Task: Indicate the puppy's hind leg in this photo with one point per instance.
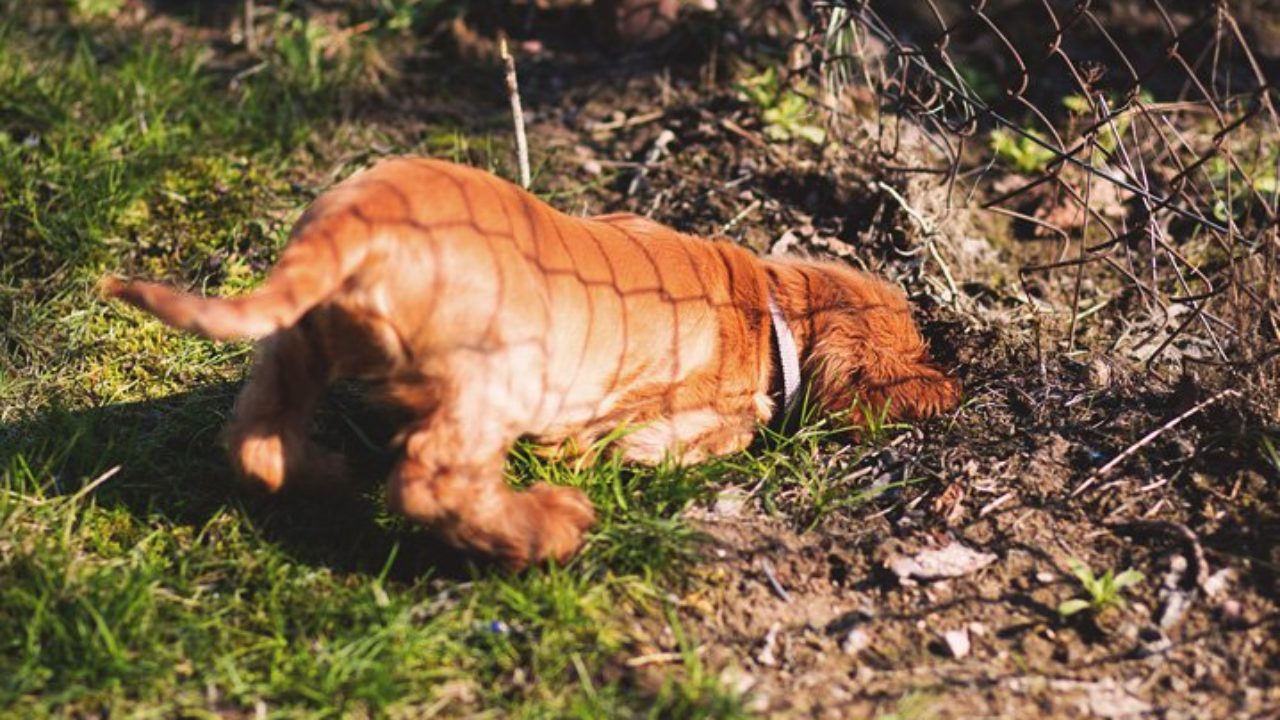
(268, 439)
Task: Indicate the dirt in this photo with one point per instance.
(838, 634)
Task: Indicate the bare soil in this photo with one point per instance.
(838, 634)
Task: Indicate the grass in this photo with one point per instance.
(135, 580)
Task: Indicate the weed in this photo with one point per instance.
(787, 114)
(913, 706)
(1021, 152)
(876, 425)
(1270, 454)
(1102, 592)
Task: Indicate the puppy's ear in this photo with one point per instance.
(916, 392)
(911, 387)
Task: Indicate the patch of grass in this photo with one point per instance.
(1267, 448)
(914, 705)
(162, 590)
(810, 473)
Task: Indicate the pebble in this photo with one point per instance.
(957, 642)
(856, 641)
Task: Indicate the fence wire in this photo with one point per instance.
(1133, 144)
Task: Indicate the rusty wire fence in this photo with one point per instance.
(1132, 146)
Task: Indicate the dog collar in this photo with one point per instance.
(788, 358)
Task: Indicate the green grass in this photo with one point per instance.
(135, 579)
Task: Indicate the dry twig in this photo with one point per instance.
(1149, 438)
(250, 37)
(517, 112)
(776, 586)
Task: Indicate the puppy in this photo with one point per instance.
(489, 316)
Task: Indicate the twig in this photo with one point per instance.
(661, 658)
(250, 37)
(733, 222)
(994, 504)
(517, 112)
(1148, 438)
(94, 484)
(1201, 568)
(930, 230)
(626, 122)
(741, 132)
(769, 575)
(656, 151)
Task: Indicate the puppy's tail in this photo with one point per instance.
(323, 253)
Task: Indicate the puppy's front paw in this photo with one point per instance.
(557, 519)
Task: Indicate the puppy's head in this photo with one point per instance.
(860, 349)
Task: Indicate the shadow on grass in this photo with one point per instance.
(173, 471)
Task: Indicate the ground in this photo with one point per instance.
(793, 579)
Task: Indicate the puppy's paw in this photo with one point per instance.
(558, 517)
(259, 460)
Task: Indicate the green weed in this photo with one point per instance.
(1019, 151)
(787, 114)
(1101, 592)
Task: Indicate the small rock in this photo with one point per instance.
(729, 503)
(1176, 604)
(977, 629)
(736, 681)
(766, 655)
(1218, 582)
(957, 642)
(592, 167)
(1044, 578)
(1232, 612)
(953, 560)
(785, 244)
(856, 641)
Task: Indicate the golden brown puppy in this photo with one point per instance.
(490, 316)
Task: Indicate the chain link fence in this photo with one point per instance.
(1132, 147)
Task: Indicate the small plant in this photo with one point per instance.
(1267, 448)
(1103, 592)
(875, 421)
(786, 113)
(1022, 152)
(1109, 134)
(94, 9)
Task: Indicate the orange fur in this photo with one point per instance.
(489, 316)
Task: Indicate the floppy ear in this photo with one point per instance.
(870, 350)
(878, 377)
(913, 392)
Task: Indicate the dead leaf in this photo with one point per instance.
(953, 560)
(948, 503)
